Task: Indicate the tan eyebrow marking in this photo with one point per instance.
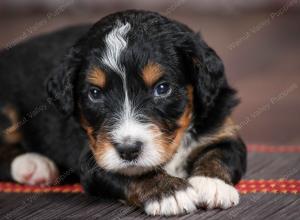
(151, 73)
(97, 77)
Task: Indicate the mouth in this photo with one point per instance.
(134, 170)
(147, 160)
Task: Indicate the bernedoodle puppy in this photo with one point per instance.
(144, 114)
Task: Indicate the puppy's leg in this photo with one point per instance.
(26, 168)
(162, 194)
(215, 170)
(157, 192)
(15, 163)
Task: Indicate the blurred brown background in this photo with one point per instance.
(258, 40)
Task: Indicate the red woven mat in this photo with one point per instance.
(271, 149)
(245, 186)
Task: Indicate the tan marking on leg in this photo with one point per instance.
(12, 134)
(210, 165)
(227, 130)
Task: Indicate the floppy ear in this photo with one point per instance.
(211, 90)
(60, 84)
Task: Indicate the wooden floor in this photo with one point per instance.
(262, 59)
(58, 206)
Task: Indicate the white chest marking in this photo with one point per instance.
(176, 166)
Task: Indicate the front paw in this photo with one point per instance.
(179, 202)
(163, 195)
(214, 193)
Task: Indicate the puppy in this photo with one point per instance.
(144, 114)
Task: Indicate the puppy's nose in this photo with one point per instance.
(129, 151)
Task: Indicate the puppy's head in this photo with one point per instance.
(137, 82)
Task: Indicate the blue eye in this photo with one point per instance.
(94, 94)
(162, 90)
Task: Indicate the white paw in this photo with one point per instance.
(214, 193)
(34, 169)
(181, 202)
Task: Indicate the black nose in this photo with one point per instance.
(129, 151)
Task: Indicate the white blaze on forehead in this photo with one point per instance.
(116, 43)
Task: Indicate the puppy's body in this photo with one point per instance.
(24, 70)
(150, 109)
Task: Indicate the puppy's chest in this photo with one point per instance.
(177, 166)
